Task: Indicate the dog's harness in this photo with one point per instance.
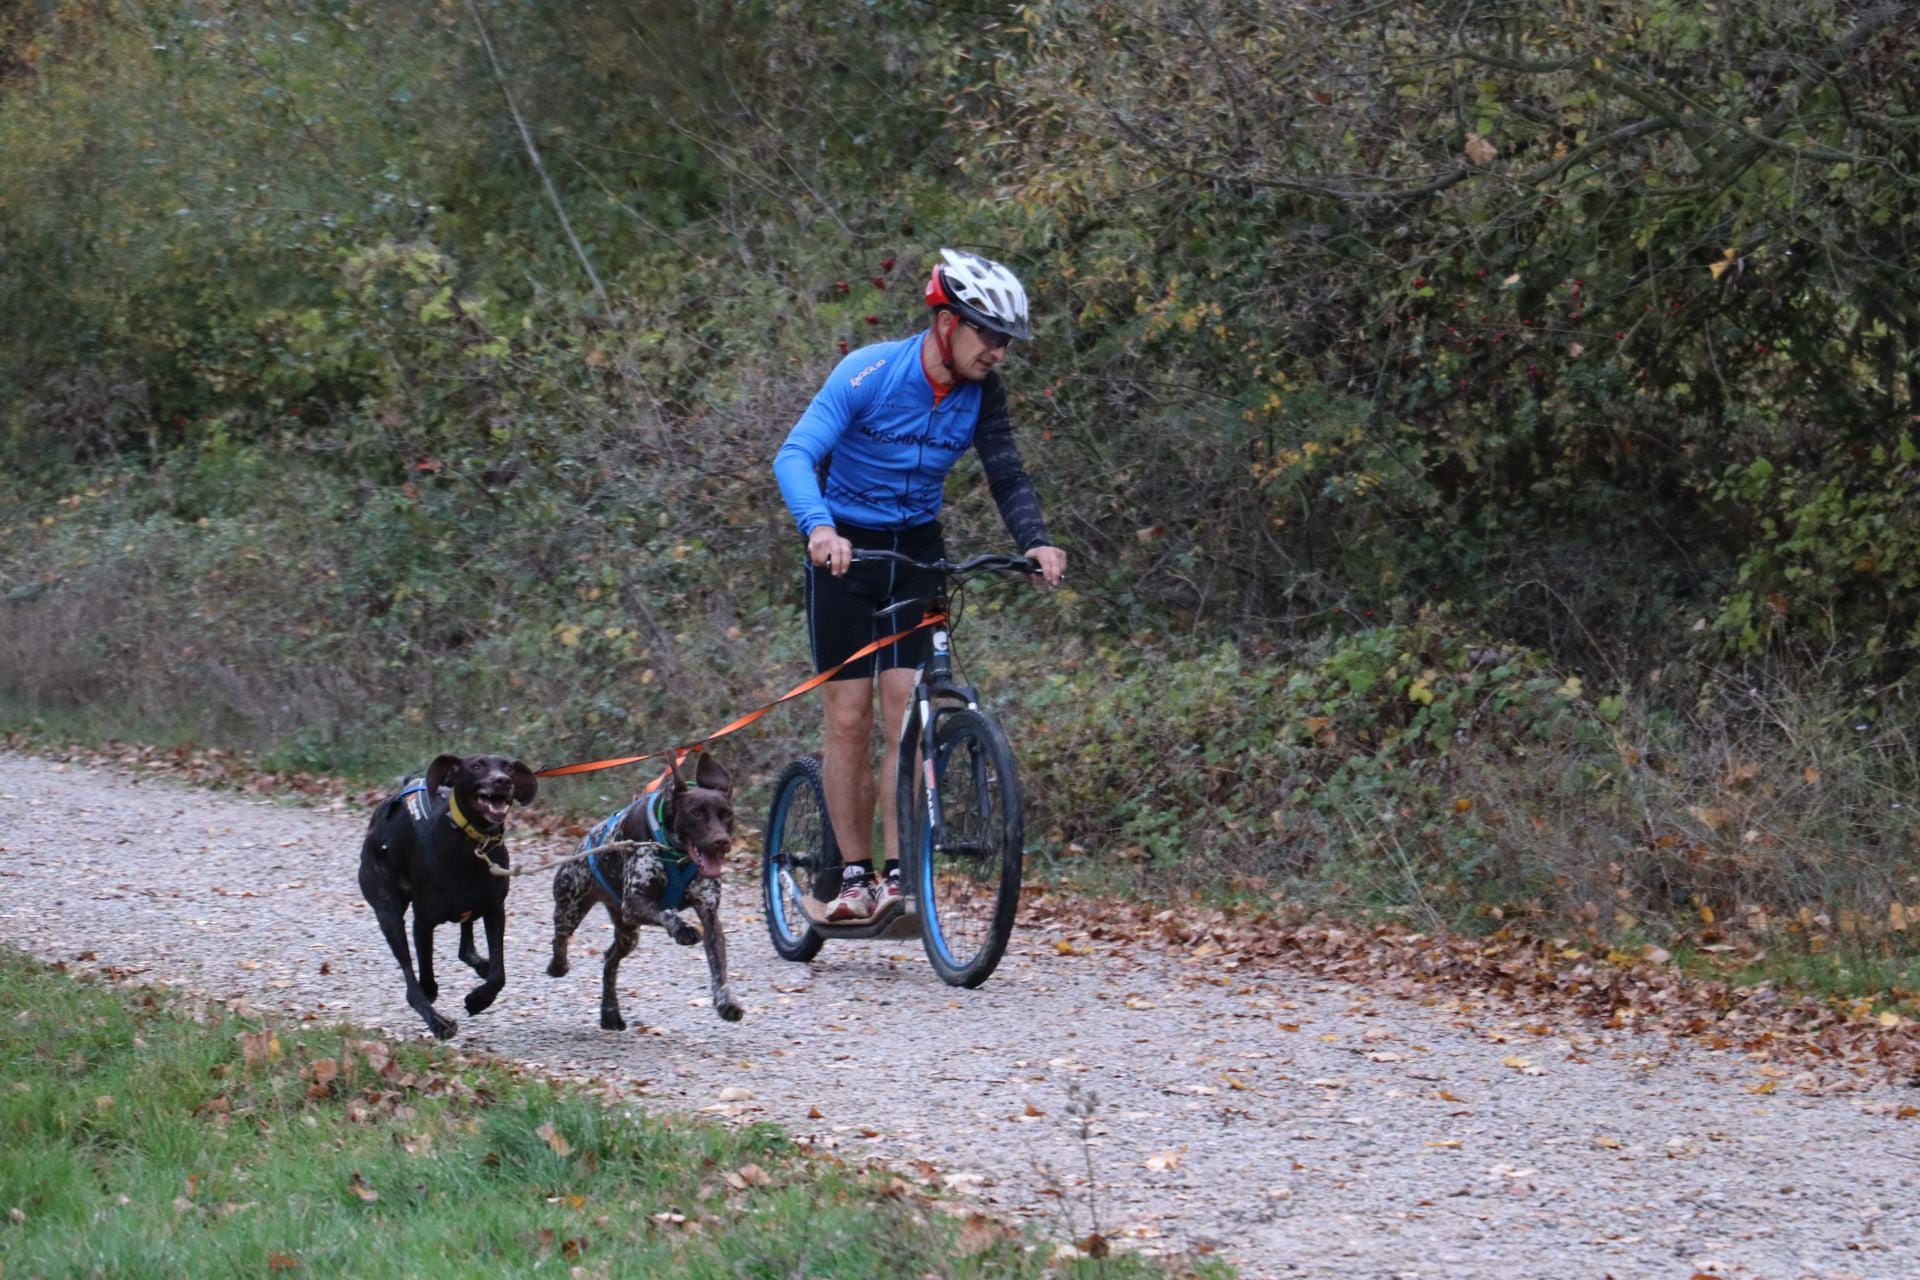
(680, 867)
(420, 809)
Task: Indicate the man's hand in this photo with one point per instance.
(827, 548)
(1052, 562)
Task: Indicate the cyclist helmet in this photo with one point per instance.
(981, 290)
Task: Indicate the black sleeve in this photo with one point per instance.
(1006, 475)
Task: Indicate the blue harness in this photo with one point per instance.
(680, 868)
(419, 808)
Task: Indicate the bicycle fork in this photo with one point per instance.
(920, 711)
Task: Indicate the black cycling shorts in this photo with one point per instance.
(841, 611)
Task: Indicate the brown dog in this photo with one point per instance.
(695, 827)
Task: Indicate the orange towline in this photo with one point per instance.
(684, 749)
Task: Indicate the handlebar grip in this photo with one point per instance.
(997, 560)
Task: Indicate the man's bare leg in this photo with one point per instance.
(896, 687)
(846, 766)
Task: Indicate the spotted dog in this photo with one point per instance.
(694, 826)
(428, 847)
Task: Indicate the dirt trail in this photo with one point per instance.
(1299, 1126)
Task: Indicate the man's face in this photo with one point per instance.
(975, 351)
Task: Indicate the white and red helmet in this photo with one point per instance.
(981, 290)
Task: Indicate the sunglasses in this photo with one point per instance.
(992, 337)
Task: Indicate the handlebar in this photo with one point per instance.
(972, 564)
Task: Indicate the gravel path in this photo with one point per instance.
(1298, 1126)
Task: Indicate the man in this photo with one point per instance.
(884, 430)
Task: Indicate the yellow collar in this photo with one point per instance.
(460, 820)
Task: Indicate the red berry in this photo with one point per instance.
(879, 282)
(1620, 336)
(1419, 282)
(841, 285)
(873, 319)
(886, 264)
(843, 346)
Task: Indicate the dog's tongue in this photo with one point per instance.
(709, 865)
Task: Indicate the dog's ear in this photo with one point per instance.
(713, 775)
(525, 785)
(442, 768)
(674, 784)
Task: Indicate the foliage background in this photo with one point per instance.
(1483, 429)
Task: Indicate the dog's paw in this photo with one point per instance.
(681, 932)
(479, 998)
(558, 968)
(610, 1020)
(442, 1028)
(727, 1008)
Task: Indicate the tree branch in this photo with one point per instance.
(533, 154)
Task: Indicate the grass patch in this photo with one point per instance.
(1882, 977)
(141, 1135)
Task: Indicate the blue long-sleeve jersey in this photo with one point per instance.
(892, 447)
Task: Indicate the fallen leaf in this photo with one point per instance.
(1166, 1161)
(281, 1262)
(259, 1047)
(979, 1233)
(1479, 151)
(358, 1185)
(555, 1139)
